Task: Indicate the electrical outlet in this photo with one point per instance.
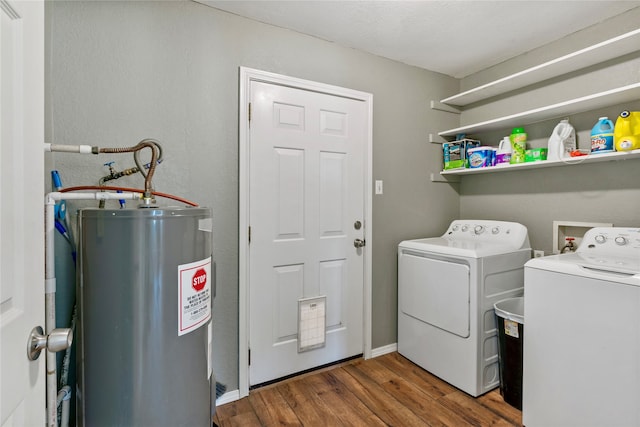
(538, 253)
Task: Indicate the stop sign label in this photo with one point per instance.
(199, 280)
(194, 295)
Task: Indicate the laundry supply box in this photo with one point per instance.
(456, 153)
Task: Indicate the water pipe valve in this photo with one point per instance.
(569, 246)
(112, 171)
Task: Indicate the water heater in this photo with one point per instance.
(145, 291)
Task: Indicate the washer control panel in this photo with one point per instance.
(499, 232)
(611, 241)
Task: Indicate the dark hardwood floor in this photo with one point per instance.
(385, 391)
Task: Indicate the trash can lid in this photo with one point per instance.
(511, 309)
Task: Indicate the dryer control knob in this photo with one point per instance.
(465, 228)
(495, 230)
(478, 229)
(600, 239)
(620, 241)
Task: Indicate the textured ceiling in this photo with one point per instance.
(457, 38)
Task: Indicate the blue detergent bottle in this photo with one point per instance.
(602, 136)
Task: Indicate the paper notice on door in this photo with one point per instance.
(311, 323)
(194, 295)
(511, 328)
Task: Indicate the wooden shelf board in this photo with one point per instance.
(591, 55)
(562, 109)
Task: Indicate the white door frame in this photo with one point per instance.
(247, 75)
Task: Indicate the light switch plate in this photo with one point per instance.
(378, 186)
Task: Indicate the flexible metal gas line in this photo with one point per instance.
(145, 143)
(138, 168)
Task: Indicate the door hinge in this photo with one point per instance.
(249, 234)
(249, 357)
(249, 114)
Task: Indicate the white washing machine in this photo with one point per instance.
(581, 356)
(446, 290)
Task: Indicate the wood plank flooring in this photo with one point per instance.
(385, 391)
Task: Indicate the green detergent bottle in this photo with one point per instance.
(518, 139)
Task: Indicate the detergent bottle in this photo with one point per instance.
(518, 139)
(602, 136)
(627, 131)
(503, 154)
(562, 141)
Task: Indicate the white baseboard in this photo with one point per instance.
(380, 351)
(228, 397)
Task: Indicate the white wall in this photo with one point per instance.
(119, 72)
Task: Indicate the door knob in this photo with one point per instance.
(59, 339)
(359, 243)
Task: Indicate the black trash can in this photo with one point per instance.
(510, 321)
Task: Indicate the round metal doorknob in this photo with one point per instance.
(359, 243)
(59, 339)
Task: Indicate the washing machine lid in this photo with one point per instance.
(624, 270)
(608, 253)
(475, 239)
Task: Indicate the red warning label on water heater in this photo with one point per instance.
(199, 280)
(194, 295)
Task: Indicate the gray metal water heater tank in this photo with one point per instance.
(145, 291)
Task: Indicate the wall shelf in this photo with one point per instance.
(595, 54)
(591, 55)
(562, 109)
(592, 158)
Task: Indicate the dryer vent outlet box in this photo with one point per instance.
(577, 230)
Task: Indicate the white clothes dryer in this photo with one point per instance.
(581, 359)
(446, 290)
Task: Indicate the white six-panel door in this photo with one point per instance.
(307, 194)
(22, 402)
